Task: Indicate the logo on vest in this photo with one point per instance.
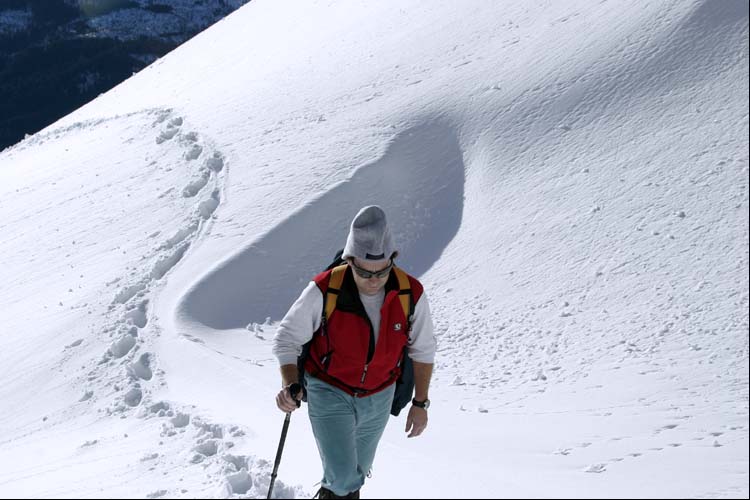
(397, 327)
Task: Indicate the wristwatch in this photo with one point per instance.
(421, 404)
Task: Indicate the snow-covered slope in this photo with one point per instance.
(569, 180)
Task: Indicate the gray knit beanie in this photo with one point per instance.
(369, 237)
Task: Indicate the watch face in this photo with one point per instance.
(421, 404)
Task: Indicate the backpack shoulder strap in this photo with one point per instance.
(337, 279)
(404, 294)
(334, 287)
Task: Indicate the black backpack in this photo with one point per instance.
(405, 382)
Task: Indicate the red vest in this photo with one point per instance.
(343, 351)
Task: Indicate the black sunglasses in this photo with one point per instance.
(364, 273)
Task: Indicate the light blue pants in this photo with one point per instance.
(347, 430)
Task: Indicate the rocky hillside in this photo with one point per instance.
(56, 55)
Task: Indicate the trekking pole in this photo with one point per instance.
(293, 390)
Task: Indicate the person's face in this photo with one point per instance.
(370, 276)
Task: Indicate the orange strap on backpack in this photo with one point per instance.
(337, 279)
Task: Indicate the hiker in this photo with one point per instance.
(355, 352)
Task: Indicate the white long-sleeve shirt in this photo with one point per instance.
(304, 317)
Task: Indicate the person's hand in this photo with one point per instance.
(288, 399)
(416, 421)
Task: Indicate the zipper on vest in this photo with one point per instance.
(371, 346)
(370, 351)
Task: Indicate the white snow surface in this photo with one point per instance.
(569, 180)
